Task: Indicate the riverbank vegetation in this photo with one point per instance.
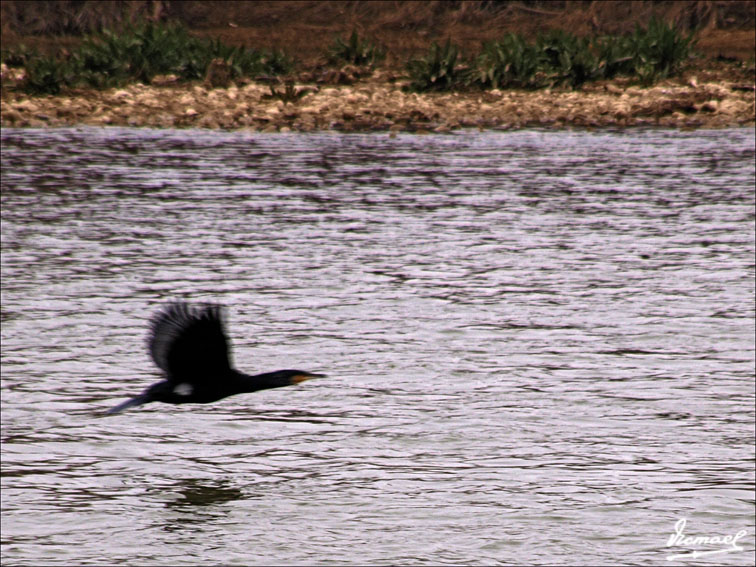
(139, 53)
(364, 65)
(143, 51)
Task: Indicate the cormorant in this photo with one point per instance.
(189, 344)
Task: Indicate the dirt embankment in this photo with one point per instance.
(716, 90)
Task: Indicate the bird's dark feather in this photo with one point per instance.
(189, 343)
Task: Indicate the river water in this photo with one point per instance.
(540, 347)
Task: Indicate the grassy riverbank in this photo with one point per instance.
(654, 70)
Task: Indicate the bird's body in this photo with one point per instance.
(190, 346)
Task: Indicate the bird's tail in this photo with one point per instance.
(133, 402)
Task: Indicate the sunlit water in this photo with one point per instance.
(540, 346)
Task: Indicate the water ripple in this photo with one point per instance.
(540, 346)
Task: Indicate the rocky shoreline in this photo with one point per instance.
(378, 103)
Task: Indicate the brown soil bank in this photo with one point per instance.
(716, 90)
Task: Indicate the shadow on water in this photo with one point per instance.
(191, 494)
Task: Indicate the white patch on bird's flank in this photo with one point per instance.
(183, 389)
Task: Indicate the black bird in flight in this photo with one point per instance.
(189, 344)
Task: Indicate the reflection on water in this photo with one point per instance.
(194, 493)
(540, 346)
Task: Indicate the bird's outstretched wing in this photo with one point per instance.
(189, 343)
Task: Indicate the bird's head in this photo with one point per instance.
(290, 377)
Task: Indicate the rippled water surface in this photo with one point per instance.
(540, 346)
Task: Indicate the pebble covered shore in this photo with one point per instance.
(378, 103)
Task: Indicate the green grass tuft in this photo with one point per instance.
(438, 70)
(510, 62)
(355, 51)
